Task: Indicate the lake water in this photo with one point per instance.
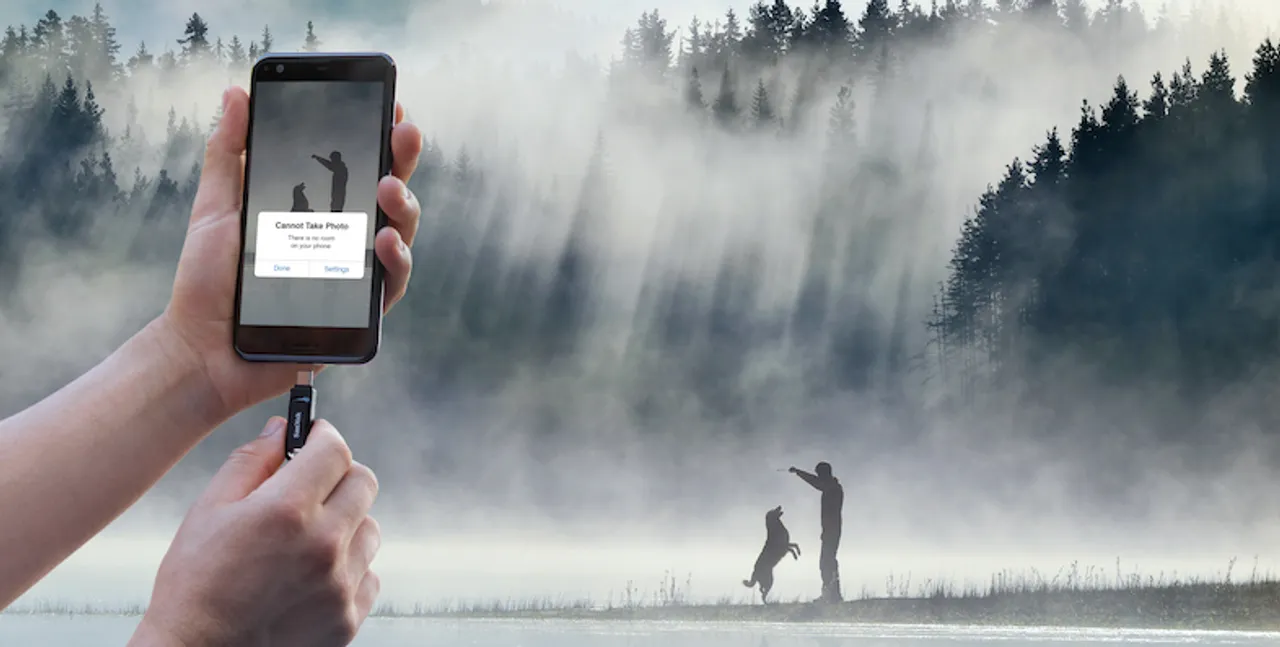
(100, 631)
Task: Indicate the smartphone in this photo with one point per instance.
(309, 288)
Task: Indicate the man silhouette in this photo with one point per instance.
(832, 502)
(338, 195)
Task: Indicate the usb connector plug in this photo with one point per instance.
(302, 413)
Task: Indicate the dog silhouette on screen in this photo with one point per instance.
(300, 203)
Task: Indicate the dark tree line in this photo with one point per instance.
(1145, 228)
(63, 172)
(1144, 242)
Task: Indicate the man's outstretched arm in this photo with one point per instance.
(323, 162)
(73, 462)
(811, 479)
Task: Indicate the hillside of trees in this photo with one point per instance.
(1136, 247)
(1144, 242)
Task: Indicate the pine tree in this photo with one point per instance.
(11, 47)
(1120, 115)
(168, 62)
(107, 172)
(1262, 95)
(81, 49)
(1157, 104)
(762, 114)
(693, 98)
(1262, 85)
(267, 41)
(1217, 85)
(767, 32)
(195, 44)
(108, 63)
(799, 35)
(830, 34)
(1183, 90)
(311, 43)
(732, 36)
(647, 47)
(1049, 162)
(841, 131)
(171, 125)
(236, 58)
(693, 47)
(47, 97)
(92, 114)
(875, 28)
(49, 39)
(68, 119)
(725, 108)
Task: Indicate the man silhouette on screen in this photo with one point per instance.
(338, 195)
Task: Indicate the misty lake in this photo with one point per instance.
(95, 631)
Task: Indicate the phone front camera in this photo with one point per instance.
(279, 69)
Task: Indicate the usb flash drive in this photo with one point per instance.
(302, 413)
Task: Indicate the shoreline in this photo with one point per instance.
(1075, 597)
(1207, 607)
(1253, 607)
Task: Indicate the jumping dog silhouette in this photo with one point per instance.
(777, 544)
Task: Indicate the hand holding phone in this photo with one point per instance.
(202, 313)
(309, 287)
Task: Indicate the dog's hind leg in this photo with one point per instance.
(766, 585)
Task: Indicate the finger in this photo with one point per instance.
(350, 501)
(221, 186)
(363, 549)
(315, 470)
(398, 260)
(366, 594)
(248, 467)
(403, 210)
(406, 147)
(399, 113)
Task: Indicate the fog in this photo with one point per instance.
(475, 504)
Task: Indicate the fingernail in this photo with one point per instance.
(408, 195)
(404, 249)
(226, 98)
(274, 426)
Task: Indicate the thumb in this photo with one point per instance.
(222, 174)
(248, 466)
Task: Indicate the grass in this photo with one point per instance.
(1074, 596)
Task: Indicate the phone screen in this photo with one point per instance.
(313, 171)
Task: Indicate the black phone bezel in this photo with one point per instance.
(311, 345)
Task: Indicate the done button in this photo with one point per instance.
(266, 268)
(332, 270)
